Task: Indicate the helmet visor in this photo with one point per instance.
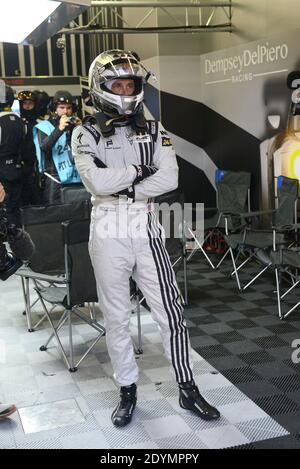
(124, 67)
(130, 86)
(26, 95)
(118, 68)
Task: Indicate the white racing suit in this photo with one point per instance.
(126, 240)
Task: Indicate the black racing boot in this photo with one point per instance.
(122, 414)
(191, 399)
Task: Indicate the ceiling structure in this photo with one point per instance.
(193, 16)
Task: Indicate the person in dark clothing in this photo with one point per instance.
(5, 409)
(30, 112)
(12, 137)
(53, 145)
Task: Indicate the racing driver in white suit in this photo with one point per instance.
(124, 162)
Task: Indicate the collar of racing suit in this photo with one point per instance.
(107, 124)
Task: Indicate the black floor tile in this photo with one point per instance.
(215, 328)
(226, 363)
(287, 383)
(281, 353)
(195, 331)
(256, 357)
(202, 341)
(212, 351)
(241, 375)
(252, 333)
(294, 396)
(273, 369)
(223, 308)
(255, 389)
(232, 336)
(209, 319)
(254, 313)
(277, 404)
(269, 342)
(229, 298)
(244, 346)
(231, 315)
(266, 302)
(284, 442)
(282, 327)
(247, 446)
(242, 324)
(290, 421)
(293, 366)
(255, 354)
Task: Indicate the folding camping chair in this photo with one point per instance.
(79, 288)
(286, 261)
(257, 243)
(74, 193)
(233, 198)
(43, 223)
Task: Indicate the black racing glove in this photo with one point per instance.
(143, 171)
(130, 192)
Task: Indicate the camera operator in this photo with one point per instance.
(53, 146)
(12, 137)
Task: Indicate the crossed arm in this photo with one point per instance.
(100, 180)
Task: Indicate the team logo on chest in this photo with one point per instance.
(109, 145)
(140, 138)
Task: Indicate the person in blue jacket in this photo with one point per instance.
(52, 139)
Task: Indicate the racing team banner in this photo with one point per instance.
(247, 82)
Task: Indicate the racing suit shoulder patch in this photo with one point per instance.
(153, 129)
(94, 132)
(166, 142)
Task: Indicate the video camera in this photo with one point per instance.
(20, 243)
(73, 120)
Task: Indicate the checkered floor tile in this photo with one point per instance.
(251, 347)
(237, 343)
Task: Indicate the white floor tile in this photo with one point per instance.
(90, 440)
(242, 411)
(58, 409)
(165, 427)
(222, 437)
(49, 416)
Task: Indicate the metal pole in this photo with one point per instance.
(145, 3)
(226, 28)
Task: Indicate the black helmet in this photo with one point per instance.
(41, 103)
(62, 97)
(27, 95)
(8, 99)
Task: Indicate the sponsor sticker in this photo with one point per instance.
(141, 139)
(166, 142)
